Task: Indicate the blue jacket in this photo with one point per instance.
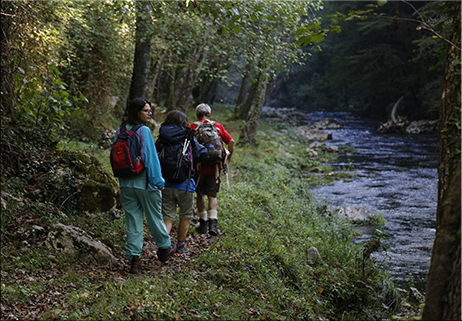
(150, 160)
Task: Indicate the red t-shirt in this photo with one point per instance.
(225, 137)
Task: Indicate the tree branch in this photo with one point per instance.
(423, 25)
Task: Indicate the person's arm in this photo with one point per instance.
(227, 138)
(152, 163)
(230, 149)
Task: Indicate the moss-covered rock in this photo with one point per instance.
(76, 183)
(97, 197)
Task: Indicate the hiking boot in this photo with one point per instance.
(203, 226)
(213, 227)
(164, 254)
(135, 265)
(182, 250)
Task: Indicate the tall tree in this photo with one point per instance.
(249, 132)
(6, 85)
(443, 298)
(142, 58)
(276, 33)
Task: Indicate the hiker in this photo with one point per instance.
(208, 176)
(142, 193)
(177, 147)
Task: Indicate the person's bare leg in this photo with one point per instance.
(183, 229)
(203, 219)
(213, 215)
(168, 225)
(213, 203)
(200, 202)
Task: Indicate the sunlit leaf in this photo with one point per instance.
(314, 26)
(77, 113)
(236, 28)
(317, 37)
(303, 41)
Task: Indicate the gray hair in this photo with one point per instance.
(203, 110)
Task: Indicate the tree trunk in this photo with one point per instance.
(191, 78)
(177, 85)
(247, 106)
(209, 85)
(243, 89)
(249, 132)
(170, 86)
(269, 91)
(443, 300)
(156, 70)
(6, 85)
(142, 51)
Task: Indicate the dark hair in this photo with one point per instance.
(132, 114)
(176, 117)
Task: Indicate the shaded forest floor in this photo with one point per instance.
(41, 303)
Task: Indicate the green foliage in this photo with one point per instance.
(96, 60)
(374, 61)
(43, 99)
(68, 60)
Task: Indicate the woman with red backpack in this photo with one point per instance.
(141, 194)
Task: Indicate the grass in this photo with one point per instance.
(259, 267)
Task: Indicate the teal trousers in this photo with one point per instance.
(137, 202)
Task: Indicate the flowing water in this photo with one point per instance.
(396, 176)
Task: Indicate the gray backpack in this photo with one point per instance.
(207, 135)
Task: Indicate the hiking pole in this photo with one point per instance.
(180, 159)
(226, 167)
(225, 170)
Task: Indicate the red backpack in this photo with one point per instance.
(126, 153)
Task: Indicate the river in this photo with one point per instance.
(396, 176)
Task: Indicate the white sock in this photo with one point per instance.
(203, 215)
(213, 214)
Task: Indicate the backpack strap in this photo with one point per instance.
(133, 130)
(199, 123)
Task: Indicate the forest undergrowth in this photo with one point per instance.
(260, 266)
